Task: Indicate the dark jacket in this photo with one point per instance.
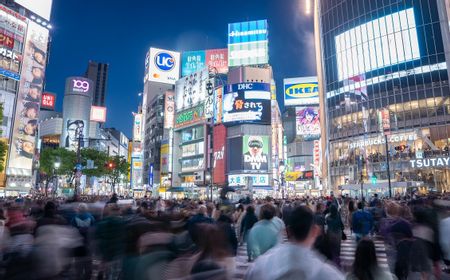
(248, 222)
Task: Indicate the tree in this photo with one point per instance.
(3, 144)
(117, 167)
(66, 158)
(99, 159)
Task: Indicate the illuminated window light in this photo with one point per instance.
(33, 17)
(44, 23)
(49, 26)
(38, 20)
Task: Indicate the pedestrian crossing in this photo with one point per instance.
(348, 249)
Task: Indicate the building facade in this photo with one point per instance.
(97, 72)
(383, 74)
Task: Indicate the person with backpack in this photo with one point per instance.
(362, 222)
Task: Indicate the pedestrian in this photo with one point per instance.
(247, 223)
(295, 259)
(362, 222)
(365, 265)
(334, 233)
(83, 221)
(264, 234)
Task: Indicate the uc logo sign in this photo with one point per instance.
(303, 90)
(164, 61)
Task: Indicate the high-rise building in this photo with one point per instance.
(98, 73)
(383, 81)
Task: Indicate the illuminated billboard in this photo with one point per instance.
(191, 90)
(219, 152)
(247, 102)
(255, 150)
(218, 108)
(7, 100)
(308, 122)
(48, 100)
(163, 66)
(376, 44)
(217, 60)
(74, 132)
(301, 91)
(192, 61)
(137, 128)
(42, 8)
(27, 110)
(190, 116)
(169, 109)
(240, 180)
(98, 114)
(248, 43)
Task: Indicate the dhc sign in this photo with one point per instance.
(430, 162)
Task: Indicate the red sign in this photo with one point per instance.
(48, 100)
(217, 59)
(6, 41)
(219, 160)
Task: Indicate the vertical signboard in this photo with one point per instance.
(169, 109)
(165, 158)
(316, 156)
(192, 61)
(218, 98)
(217, 60)
(255, 150)
(137, 128)
(248, 43)
(164, 66)
(219, 160)
(33, 74)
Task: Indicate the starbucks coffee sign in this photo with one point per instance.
(430, 162)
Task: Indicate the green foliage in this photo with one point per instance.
(66, 158)
(120, 170)
(99, 158)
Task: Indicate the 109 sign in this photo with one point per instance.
(80, 85)
(164, 61)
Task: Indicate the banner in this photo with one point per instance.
(27, 112)
(48, 101)
(191, 90)
(169, 109)
(218, 102)
(217, 60)
(190, 116)
(137, 128)
(299, 176)
(255, 151)
(219, 152)
(192, 61)
(301, 91)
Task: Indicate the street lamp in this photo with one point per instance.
(56, 166)
(282, 169)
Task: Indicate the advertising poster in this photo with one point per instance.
(192, 61)
(6, 40)
(247, 102)
(301, 91)
(299, 176)
(28, 100)
(209, 107)
(384, 120)
(217, 60)
(165, 158)
(164, 66)
(137, 128)
(169, 109)
(48, 101)
(248, 43)
(219, 152)
(255, 150)
(218, 102)
(136, 173)
(98, 114)
(10, 60)
(316, 157)
(75, 131)
(191, 90)
(240, 180)
(308, 122)
(7, 101)
(190, 116)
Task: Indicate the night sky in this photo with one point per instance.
(121, 32)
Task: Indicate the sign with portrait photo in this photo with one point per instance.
(308, 122)
(255, 150)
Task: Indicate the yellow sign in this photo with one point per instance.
(303, 90)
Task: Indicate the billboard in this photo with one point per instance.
(165, 158)
(255, 150)
(234, 154)
(218, 102)
(371, 46)
(169, 109)
(48, 100)
(192, 61)
(299, 176)
(308, 122)
(137, 128)
(247, 102)
(258, 180)
(42, 8)
(191, 90)
(27, 112)
(6, 40)
(219, 159)
(13, 23)
(248, 43)
(163, 66)
(190, 116)
(98, 114)
(217, 60)
(75, 131)
(301, 91)
(10, 60)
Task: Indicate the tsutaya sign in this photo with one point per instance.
(430, 162)
(412, 136)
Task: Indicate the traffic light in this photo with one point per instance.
(110, 165)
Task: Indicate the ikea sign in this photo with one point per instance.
(301, 91)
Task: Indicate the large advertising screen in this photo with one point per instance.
(219, 152)
(42, 8)
(191, 90)
(7, 100)
(28, 101)
(234, 154)
(248, 43)
(247, 102)
(376, 44)
(164, 66)
(255, 150)
(98, 114)
(217, 60)
(192, 61)
(301, 91)
(308, 122)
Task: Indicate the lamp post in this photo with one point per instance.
(282, 169)
(56, 166)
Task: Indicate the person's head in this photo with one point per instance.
(333, 210)
(25, 148)
(267, 212)
(365, 259)
(38, 73)
(82, 207)
(250, 209)
(50, 208)
(240, 208)
(301, 227)
(319, 208)
(360, 205)
(202, 210)
(30, 127)
(255, 145)
(39, 56)
(34, 91)
(30, 110)
(375, 195)
(74, 128)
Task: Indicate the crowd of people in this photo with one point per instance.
(148, 238)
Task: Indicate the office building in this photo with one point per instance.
(98, 73)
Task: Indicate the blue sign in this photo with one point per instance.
(249, 87)
(247, 32)
(150, 175)
(301, 91)
(9, 74)
(192, 61)
(164, 61)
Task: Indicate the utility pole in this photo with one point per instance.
(388, 169)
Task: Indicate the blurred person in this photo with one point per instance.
(199, 218)
(279, 225)
(362, 222)
(50, 217)
(444, 228)
(225, 223)
(374, 200)
(351, 210)
(334, 233)
(295, 259)
(238, 217)
(264, 234)
(83, 221)
(247, 223)
(365, 265)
